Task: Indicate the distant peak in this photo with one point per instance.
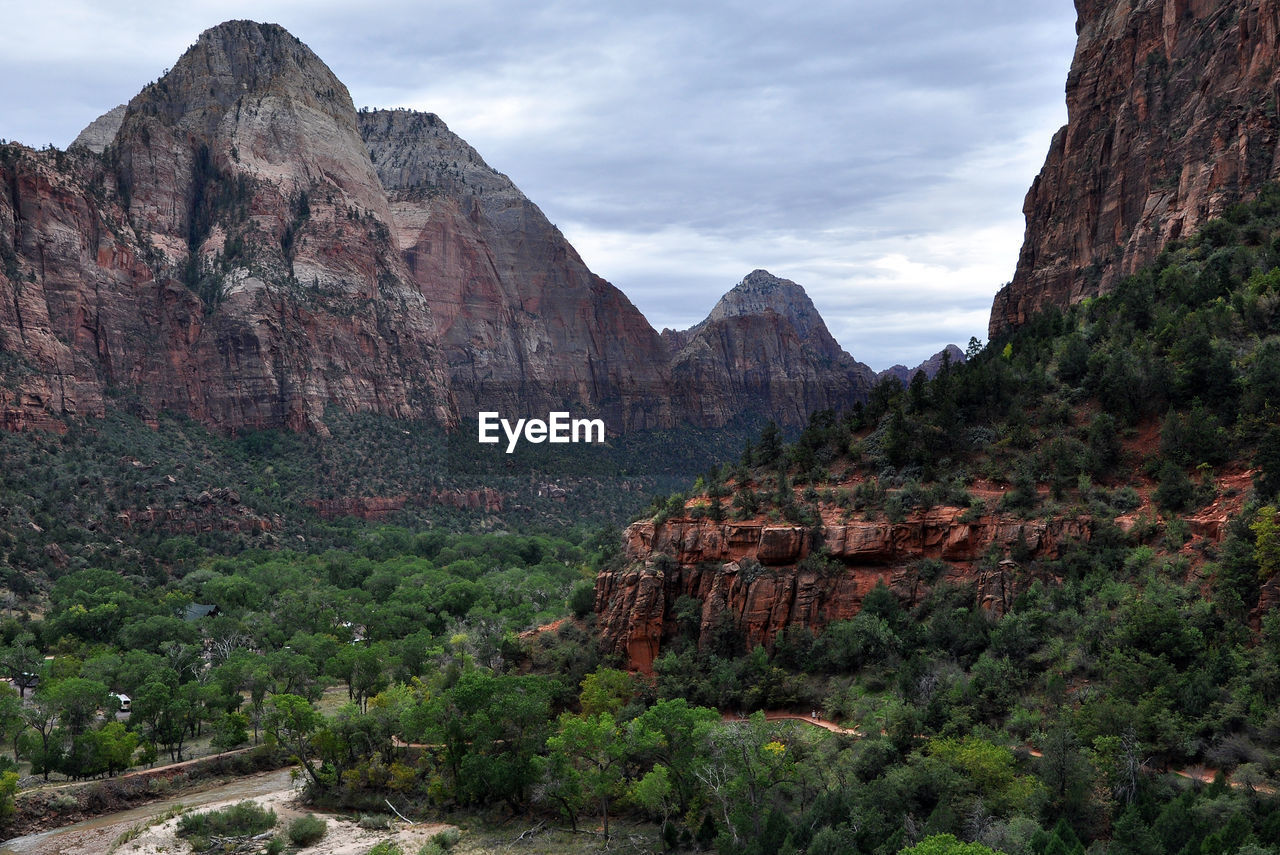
(239, 57)
(761, 281)
(760, 293)
(242, 29)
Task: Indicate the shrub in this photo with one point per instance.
(240, 820)
(446, 838)
(582, 599)
(375, 821)
(1175, 491)
(1125, 499)
(63, 802)
(306, 830)
(386, 847)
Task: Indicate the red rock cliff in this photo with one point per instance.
(705, 560)
(525, 326)
(229, 257)
(1172, 116)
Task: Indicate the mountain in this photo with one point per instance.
(228, 258)
(524, 325)
(764, 349)
(1172, 118)
(1137, 427)
(930, 366)
(238, 245)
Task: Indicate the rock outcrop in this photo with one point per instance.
(1172, 117)
(763, 349)
(756, 573)
(101, 131)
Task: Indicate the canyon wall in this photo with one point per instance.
(1173, 110)
(757, 574)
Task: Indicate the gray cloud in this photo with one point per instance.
(874, 151)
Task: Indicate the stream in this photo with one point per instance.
(51, 841)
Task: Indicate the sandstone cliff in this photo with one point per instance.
(1172, 116)
(525, 326)
(229, 258)
(764, 349)
(706, 560)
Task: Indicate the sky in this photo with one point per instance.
(874, 151)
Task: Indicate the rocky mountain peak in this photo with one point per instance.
(931, 366)
(763, 342)
(760, 293)
(101, 132)
(259, 103)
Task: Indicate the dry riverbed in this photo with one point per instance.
(343, 836)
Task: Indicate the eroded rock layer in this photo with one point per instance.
(755, 572)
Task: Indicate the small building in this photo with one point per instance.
(195, 611)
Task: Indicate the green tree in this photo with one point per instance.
(21, 662)
(11, 723)
(605, 690)
(41, 716)
(291, 722)
(115, 746)
(1266, 530)
(8, 792)
(946, 844)
(585, 764)
(671, 734)
(78, 701)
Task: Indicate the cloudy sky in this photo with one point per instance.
(875, 151)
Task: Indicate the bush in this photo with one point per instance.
(306, 830)
(63, 802)
(582, 599)
(240, 820)
(446, 838)
(375, 821)
(1175, 491)
(386, 847)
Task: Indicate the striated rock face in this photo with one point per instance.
(706, 561)
(485, 498)
(361, 507)
(525, 326)
(763, 349)
(1171, 118)
(229, 258)
(211, 510)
